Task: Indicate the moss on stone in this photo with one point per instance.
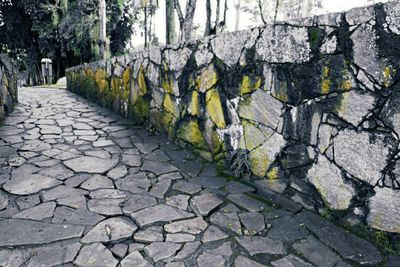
(207, 79)
(194, 107)
(248, 85)
(259, 161)
(191, 133)
(214, 108)
(142, 82)
(273, 173)
(170, 105)
(326, 82)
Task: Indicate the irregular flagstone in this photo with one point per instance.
(113, 229)
(149, 235)
(138, 202)
(162, 250)
(24, 202)
(131, 160)
(242, 261)
(186, 187)
(213, 234)
(97, 182)
(120, 250)
(29, 185)
(316, 252)
(348, 245)
(75, 202)
(290, 261)
(103, 143)
(135, 259)
(158, 167)
(260, 245)
(54, 255)
(75, 216)
(3, 200)
(160, 188)
(205, 203)
(17, 232)
(228, 220)
(37, 213)
(14, 257)
(95, 255)
(178, 201)
(91, 164)
(180, 238)
(35, 146)
(159, 213)
(106, 206)
(209, 182)
(135, 183)
(253, 221)
(59, 172)
(108, 193)
(117, 172)
(287, 229)
(191, 226)
(246, 202)
(208, 259)
(188, 249)
(61, 191)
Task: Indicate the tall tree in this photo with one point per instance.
(186, 22)
(207, 30)
(103, 28)
(170, 21)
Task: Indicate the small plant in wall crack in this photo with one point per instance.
(240, 164)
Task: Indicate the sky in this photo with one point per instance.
(246, 20)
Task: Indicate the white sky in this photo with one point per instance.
(245, 18)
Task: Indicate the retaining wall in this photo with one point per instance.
(8, 86)
(312, 105)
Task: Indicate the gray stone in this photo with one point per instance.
(34, 146)
(150, 235)
(188, 249)
(384, 212)
(205, 203)
(37, 213)
(136, 247)
(17, 232)
(75, 202)
(58, 172)
(103, 143)
(91, 164)
(135, 183)
(138, 202)
(30, 184)
(354, 151)
(287, 229)
(316, 252)
(108, 193)
(253, 221)
(186, 187)
(207, 259)
(234, 187)
(180, 238)
(75, 216)
(191, 226)
(328, 180)
(290, 261)
(348, 245)
(97, 182)
(159, 213)
(120, 250)
(160, 188)
(178, 201)
(135, 259)
(175, 264)
(293, 45)
(209, 182)
(3, 200)
(242, 261)
(61, 191)
(229, 220)
(162, 250)
(158, 167)
(118, 172)
(113, 229)
(106, 206)
(260, 245)
(95, 255)
(213, 234)
(246, 202)
(24, 202)
(131, 160)
(224, 250)
(54, 255)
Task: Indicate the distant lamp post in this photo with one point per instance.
(47, 70)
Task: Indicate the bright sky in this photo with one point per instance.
(245, 18)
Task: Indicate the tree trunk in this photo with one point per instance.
(186, 22)
(102, 22)
(237, 7)
(207, 31)
(170, 21)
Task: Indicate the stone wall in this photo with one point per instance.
(8, 86)
(312, 105)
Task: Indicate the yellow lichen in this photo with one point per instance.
(326, 82)
(126, 77)
(387, 76)
(191, 133)
(170, 105)
(207, 79)
(273, 174)
(142, 82)
(259, 161)
(193, 108)
(214, 108)
(247, 86)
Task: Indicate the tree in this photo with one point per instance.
(219, 25)
(186, 22)
(170, 21)
(103, 28)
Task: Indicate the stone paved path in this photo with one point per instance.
(79, 186)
